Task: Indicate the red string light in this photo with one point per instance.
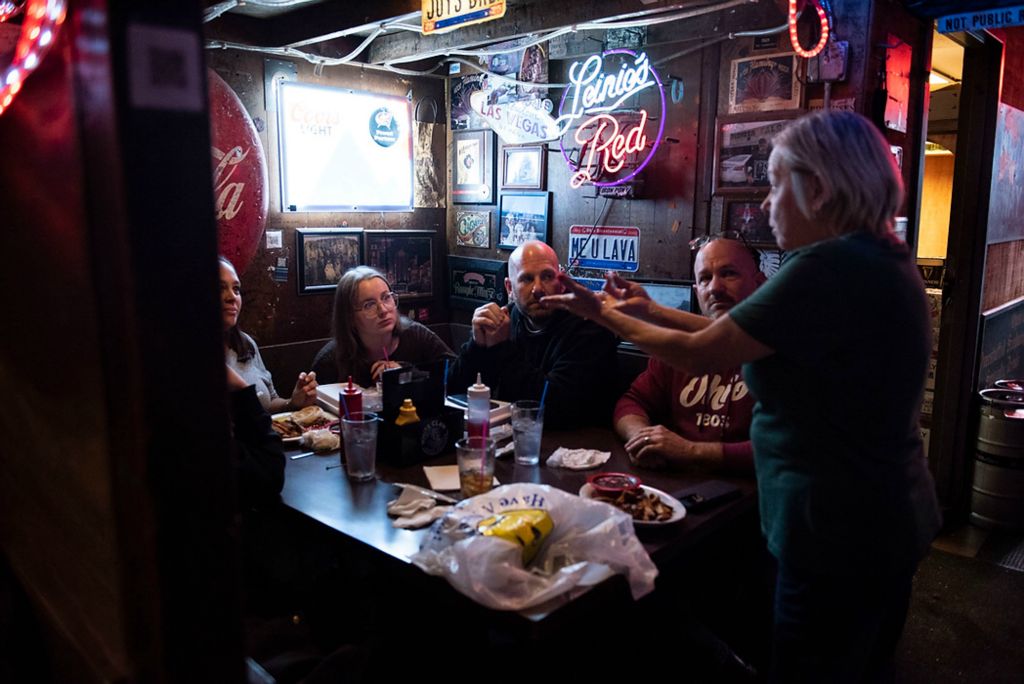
(795, 39)
(38, 33)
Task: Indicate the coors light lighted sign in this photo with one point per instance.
(609, 132)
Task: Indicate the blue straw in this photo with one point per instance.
(544, 394)
(446, 378)
(344, 405)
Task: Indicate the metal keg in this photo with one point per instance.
(997, 495)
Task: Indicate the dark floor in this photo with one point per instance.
(966, 621)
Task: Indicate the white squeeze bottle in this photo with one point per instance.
(478, 414)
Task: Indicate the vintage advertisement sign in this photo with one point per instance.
(239, 175)
(440, 16)
(474, 282)
(997, 17)
(613, 248)
(516, 123)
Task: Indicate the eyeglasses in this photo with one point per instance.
(373, 307)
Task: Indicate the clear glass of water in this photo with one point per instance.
(359, 431)
(527, 427)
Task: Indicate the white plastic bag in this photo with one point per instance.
(590, 541)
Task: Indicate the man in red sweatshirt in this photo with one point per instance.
(669, 418)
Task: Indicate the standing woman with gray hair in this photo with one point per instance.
(835, 348)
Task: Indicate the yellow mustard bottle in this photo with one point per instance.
(407, 413)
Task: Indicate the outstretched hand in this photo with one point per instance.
(629, 297)
(576, 299)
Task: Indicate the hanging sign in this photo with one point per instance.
(517, 123)
(998, 17)
(614, 248)
(440, 16)
(611, 117)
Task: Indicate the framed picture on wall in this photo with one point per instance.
(742, 147)
(765, 83)
(475, 282)
(522, 216)
(406, 258)
(745, 217)
(523, 167)
(473, 167)
(323, 254)
(473, 229)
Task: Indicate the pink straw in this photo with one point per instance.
(385, 350)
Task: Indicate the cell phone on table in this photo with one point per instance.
(707, 495)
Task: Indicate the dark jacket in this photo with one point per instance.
(577, 357)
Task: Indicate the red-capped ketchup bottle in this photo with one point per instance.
(478, 413)
(351, 399)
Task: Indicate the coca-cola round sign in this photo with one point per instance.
(239, 175)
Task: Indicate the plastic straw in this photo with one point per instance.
(385, 350)
(544, 394)
(344, 405)
(446, 377)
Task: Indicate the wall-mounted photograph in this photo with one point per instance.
(523, 167)
(473, 229)
(473, 167)
(764, 83)
(741, 153)
(522, 216)
(324, 254)
(745, 217)
(405, 257)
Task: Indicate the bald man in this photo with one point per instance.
(520, 347)
(675, 419)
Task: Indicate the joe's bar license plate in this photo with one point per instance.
(445, 15)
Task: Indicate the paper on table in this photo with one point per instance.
(445, 478)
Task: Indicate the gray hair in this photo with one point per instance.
(862, 188)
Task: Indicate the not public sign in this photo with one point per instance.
(997, 17)
(613, 248)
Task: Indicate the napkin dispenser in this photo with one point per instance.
(438, 427)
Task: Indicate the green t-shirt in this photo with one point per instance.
(842, 479)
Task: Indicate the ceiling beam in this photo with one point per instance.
(519, 20)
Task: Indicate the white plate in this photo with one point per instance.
(678, 510)
(288, 414)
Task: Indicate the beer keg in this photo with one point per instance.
(997, 494)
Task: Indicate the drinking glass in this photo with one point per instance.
(359, 431)
(475, 457)
(527, 427)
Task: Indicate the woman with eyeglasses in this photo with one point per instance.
(370, 336)
(835, 349)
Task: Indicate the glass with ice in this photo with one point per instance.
(475, 456)
(527, 427)
(359, 430)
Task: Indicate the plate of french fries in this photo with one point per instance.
(291, 425)
(646, 505)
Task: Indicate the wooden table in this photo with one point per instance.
(316, 487)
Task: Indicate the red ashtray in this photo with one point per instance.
(613, 484)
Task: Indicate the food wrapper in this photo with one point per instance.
(320, 440)
(588, 542)
(527, 528)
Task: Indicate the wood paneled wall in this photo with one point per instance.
(1004, 273)
(273, 312)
